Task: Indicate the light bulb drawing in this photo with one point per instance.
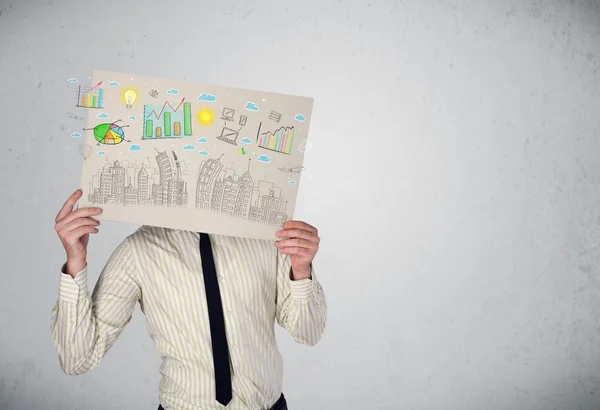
(130, 96)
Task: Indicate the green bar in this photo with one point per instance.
(187, 118)
(94, 101)
(149, 129)
(167, 118)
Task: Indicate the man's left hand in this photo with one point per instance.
(302, 246)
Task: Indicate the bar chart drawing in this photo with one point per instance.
(90, 97)
(167, 121)
(279, 141)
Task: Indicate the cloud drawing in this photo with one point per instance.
(300, 117)
(203, 152)
(114, 84)
(132, 117)
(72, 80)
(207, 97)
(76, 135)
(172, 91)
(202, 140)
(246, 140)
(100, 152)
(134, 147)
(102, 115)
(292, 182)
(264, 158)
(251, 106)
(188, 147)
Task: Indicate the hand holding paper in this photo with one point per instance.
(302, 246)
(74, 228)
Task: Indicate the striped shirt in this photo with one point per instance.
(161, 269)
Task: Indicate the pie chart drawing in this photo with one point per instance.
(109, 133)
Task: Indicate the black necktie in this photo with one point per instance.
(217, 322)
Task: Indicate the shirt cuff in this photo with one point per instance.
(72, 289)
(303, 289)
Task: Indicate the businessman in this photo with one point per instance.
(210, 303)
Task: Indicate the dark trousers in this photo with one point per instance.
(280, 404)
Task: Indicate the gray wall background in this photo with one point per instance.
(454, 178)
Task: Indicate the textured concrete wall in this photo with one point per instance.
(454, 178)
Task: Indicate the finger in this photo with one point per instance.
(77, 223)
(76, 234)
(68, 205)
(80, 213)
(300, 225)
(298, 233)
(302, 243)
(295, 250)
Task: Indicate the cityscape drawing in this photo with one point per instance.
(219, 189)
(170, 118)
(129, 183)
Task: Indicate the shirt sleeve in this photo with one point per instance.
(84, 326)
(301, 306)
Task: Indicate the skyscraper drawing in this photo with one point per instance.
(142, 186)
(207, 177)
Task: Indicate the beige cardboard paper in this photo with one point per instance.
(191, 156)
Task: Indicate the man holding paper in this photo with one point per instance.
(210, 303)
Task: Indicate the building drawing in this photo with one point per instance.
(219, 189)
(128, 183)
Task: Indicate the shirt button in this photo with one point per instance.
(221, 277)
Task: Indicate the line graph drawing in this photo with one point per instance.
(92, 97)
(220, 189)
(279, 141)
(169, 120)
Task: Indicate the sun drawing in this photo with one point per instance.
(205, 116)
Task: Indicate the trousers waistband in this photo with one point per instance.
(280, 404)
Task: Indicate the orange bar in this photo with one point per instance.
(177, 128)
(83, 100)
(158, 132)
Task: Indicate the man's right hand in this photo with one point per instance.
(74, 229)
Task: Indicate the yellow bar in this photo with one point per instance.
(158, 132)
(89, 101)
